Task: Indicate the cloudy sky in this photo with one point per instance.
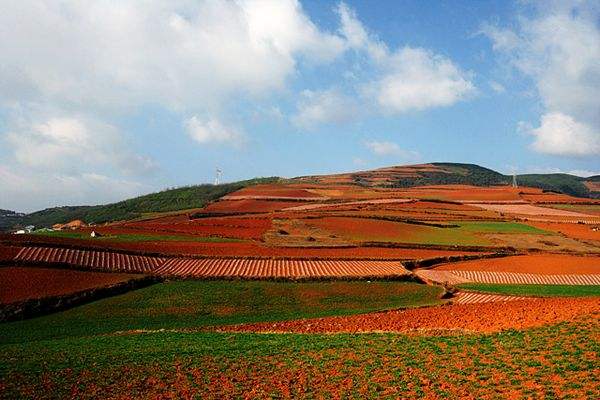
(102, 100)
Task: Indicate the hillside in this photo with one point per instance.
(392, 177)
(167, 200)
(466, 174)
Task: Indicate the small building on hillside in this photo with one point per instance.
(95, 234)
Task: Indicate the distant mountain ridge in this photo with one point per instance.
(438, 173)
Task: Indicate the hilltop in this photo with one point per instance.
(440, 173)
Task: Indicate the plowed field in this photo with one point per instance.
(554, 264)
(18, 283)
(211, 267)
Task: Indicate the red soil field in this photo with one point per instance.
(212, 267)
(249, 205)
(541, 197)
(364, 229)
(474, 297)
(92, 259)
(292, 190)
(7, 253)
(269, 268)
(518, 278)
(243, 249)
(528, 209)
(462, 192)
(230, 227)
(480, 317)
(554, 264)
(18, 283)
(578, 231)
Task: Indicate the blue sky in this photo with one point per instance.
(106, 100)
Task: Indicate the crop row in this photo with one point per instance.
(472, 298)
(92, 259)
(210, 267)
(520, 278)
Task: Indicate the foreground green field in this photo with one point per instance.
(535, 290)
(182, 304)
(559, 361)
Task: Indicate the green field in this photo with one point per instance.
(462, 233)
(134, 237)
(470, 233)
(550, 362)
(535, 290)
(185, 304)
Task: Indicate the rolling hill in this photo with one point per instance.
(393, 177)
(168, 200)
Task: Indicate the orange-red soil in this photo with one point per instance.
(7, 253)
(296, 191)
(577, 231)
(480, 317)
(230, 227)
(551, 264)
(528, 209)
(250, 205)
(18, 283)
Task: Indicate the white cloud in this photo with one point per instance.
(418, 79)
(560, 134)
(383, 148)
(61, 144)
(27, 191)
(182, 54)
(497, 87)
(211, 130)
(322, 107)
(399, 81)
(407, 78)
(559, 49)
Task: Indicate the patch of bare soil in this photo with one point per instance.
(478, 317)
(553, 243)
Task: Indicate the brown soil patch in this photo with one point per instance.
(18, 283)
(528, 209)
(554, 264)
(554, 243)
(297, 233)
(7, 253)
(480, 317)
(577, 231)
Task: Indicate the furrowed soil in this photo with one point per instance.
(555, 264)
(20, 283)
(480, 317)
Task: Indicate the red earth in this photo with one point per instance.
(18, 283)
(7, 253)
(478, 317)
(550, 264)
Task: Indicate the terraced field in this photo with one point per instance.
(212, 267)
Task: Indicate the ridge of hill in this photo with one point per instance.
(445, 173)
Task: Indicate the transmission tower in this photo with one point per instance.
(218, 175)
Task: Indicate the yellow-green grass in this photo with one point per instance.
(467, 233)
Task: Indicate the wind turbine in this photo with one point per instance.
(218, 175)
